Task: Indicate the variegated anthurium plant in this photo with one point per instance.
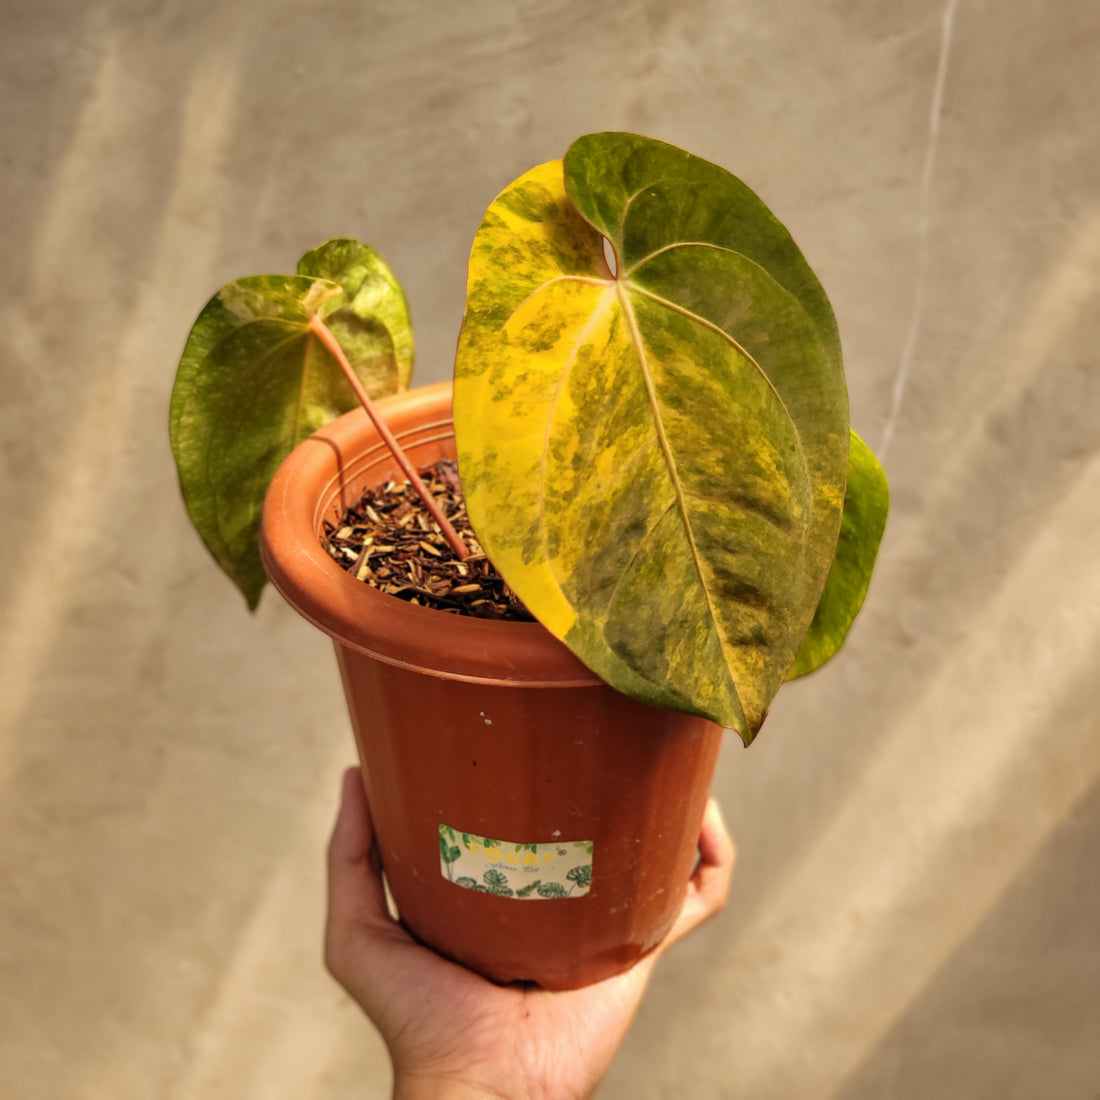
(650, 413)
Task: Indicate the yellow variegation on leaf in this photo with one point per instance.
(653, 457)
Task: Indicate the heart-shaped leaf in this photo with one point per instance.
(254, 381)
(866, 502)
(654, 458)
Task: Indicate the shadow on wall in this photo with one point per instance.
(1021, 989)
(104, 419)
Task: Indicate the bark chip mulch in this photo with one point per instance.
(390, 541)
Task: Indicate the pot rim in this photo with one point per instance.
(352, 613)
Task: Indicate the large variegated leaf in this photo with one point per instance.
(654, 458)
(866, 502)
(252, 383)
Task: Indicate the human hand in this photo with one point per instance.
(515, 1041)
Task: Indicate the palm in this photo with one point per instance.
(552, 1044)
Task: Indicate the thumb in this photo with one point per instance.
(355, 893)
(710, 883)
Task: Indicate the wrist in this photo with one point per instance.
(414, 1087)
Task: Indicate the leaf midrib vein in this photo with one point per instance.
(670, 462)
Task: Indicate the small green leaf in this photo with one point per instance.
(254, 381)
(671, 438)
(372, 319)
(866, 503)
(526, 891)
(552, 890)
(467, 882)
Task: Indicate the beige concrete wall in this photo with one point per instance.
(916, 908)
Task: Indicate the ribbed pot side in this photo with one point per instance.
(493, 730)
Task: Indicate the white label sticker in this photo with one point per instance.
(530, 872)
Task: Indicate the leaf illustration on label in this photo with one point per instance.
(581, 876)
(497, 882)
(552, 890)
(448, 852)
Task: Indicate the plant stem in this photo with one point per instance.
(332, 345)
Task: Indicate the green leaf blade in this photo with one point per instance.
(371, 320)
(672, 443)
(866, 505)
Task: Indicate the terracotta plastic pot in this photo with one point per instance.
(496, 731)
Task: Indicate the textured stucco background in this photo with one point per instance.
(916, 910)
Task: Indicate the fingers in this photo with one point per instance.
(717, 855)
(710, 884)
(356, 898)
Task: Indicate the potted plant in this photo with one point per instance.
(650, 421)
